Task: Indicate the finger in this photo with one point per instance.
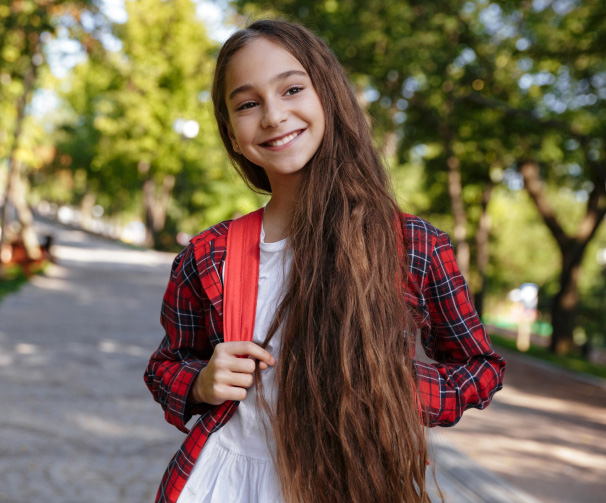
(232, 393)
(241, 380)
(250, 349)
(245, 365)
(239, 393)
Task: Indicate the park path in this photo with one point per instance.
(79, 425)
(544, 433)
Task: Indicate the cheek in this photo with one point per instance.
(244, 127)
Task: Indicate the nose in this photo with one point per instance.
(273, 114)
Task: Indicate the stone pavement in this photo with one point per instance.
(544, 433)
(78, 424)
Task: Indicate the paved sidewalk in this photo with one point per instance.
(78, 423)
(544, 433)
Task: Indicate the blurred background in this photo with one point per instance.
(490, 115)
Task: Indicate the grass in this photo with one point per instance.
(538, 327)
(14, 278)
(570, 362)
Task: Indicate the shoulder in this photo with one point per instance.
(216, 232)
(427, 248)
(421, 236)
(207, 246)
(214, 238)
(417, 226)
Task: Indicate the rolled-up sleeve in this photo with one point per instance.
(468, 372)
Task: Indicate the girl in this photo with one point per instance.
(345, 280)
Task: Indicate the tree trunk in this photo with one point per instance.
(482, 251)
(86, 210)
(565, 303)
(13, 173)
(14, 165)
(455, 188)
(155, 203)
(26, 219)
(389, 146)
(572, 248)
(455, 191)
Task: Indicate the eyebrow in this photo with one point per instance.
(280, 76)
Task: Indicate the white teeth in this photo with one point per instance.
(283, 141)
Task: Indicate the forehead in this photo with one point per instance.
(257, 62)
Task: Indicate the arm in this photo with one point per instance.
(468, 372)
(185, 349)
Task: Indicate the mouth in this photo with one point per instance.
(282, 140)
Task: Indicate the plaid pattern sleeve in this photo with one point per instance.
(185, 350)
(468, 372)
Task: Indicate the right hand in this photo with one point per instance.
(226, 376)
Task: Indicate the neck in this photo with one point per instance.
(279, 211)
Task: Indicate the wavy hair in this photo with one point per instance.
(347, 423)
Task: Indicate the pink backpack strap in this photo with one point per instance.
(241, 277)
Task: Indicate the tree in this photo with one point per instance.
(476, 90)
(558, 117)
(142, 133)
(164, 65)
(411, 63)
(26, 26)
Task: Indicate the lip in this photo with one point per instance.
(286, 145)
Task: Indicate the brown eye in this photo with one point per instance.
(294, 90)
(246, 106)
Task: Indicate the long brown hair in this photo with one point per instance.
(346, 423)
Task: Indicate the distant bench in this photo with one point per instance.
(15, 253)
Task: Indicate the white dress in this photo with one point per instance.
(236, 463)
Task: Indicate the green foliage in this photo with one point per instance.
(487, 85)
(13, 278)
(515, 256)
(127, 108)
(486, 76)
(26, 27)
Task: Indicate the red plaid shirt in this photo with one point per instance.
(467, 375)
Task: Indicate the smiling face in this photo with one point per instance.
(275, 115)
